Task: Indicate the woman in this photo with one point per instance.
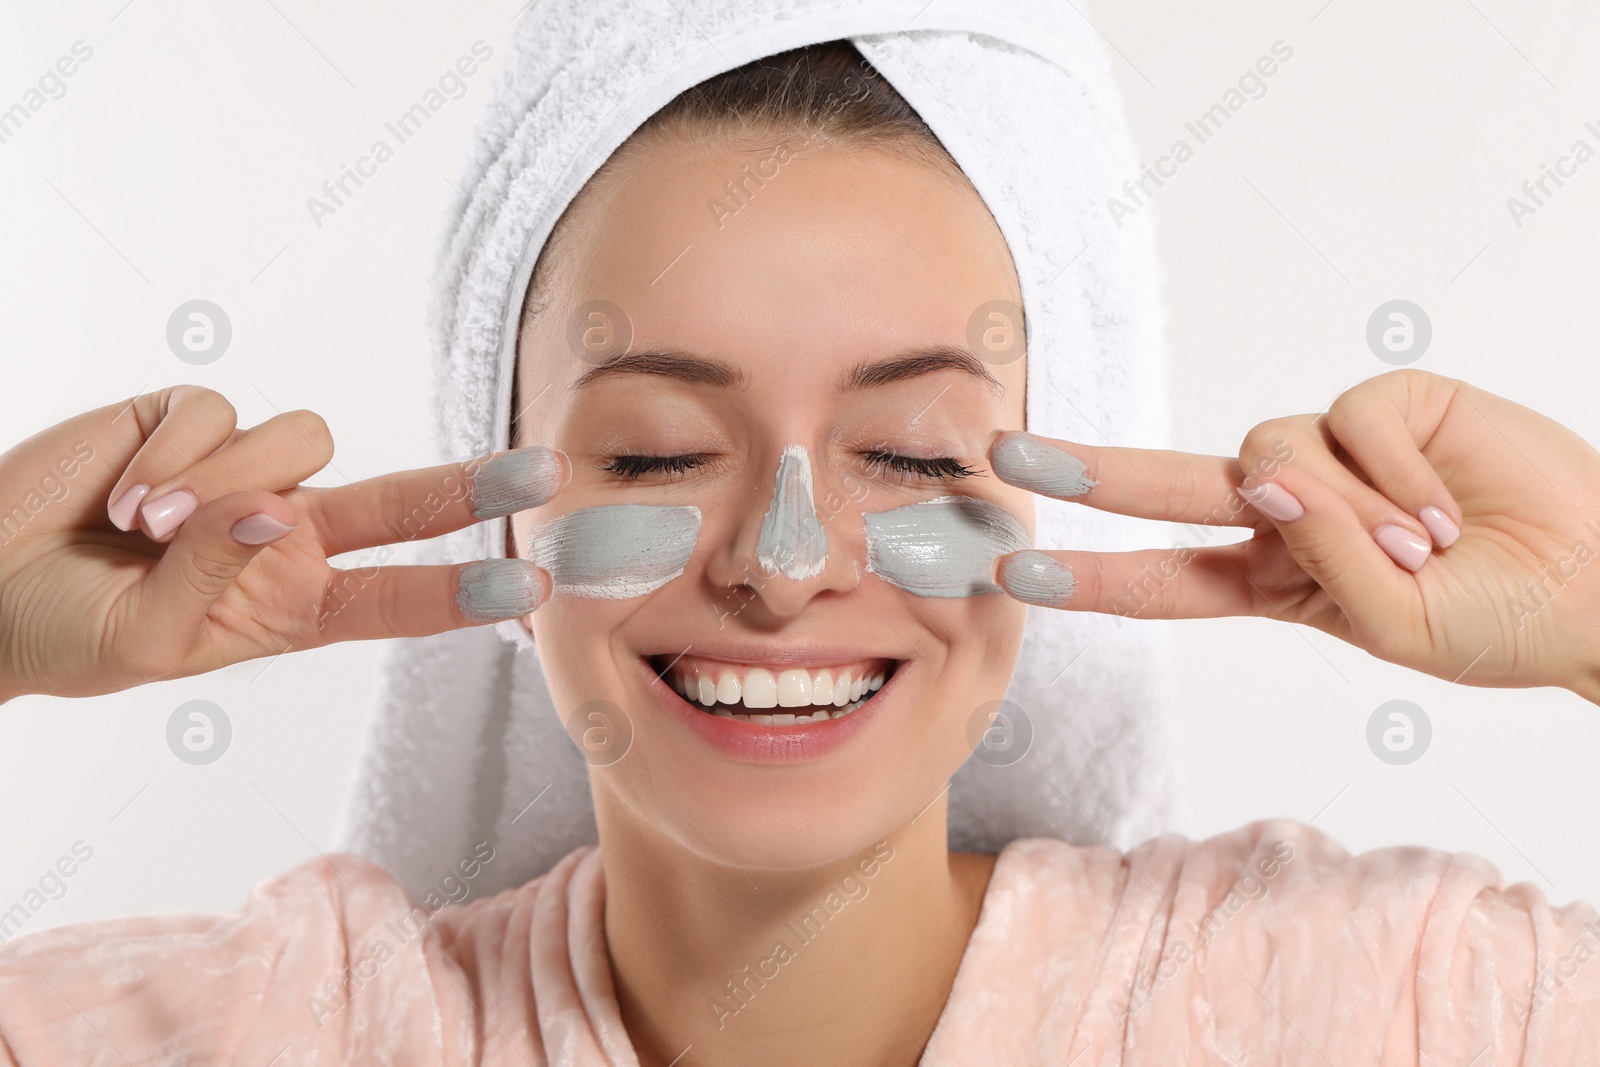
(782, 891)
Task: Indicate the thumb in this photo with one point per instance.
(209, 551)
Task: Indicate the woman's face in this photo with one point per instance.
(823, 308)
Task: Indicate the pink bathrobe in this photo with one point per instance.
(1268, 945)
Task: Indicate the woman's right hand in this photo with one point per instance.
(154, 539)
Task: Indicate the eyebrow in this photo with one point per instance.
(703, 370)
(666, 363)
(914, 363)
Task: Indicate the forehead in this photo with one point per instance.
(778, 255)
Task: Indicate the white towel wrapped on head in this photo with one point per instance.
(464, 744)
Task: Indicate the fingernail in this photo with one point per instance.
(258, 530)
(122, 511)
(1025, 461)
(1273, 501)
(166, 513)
(498, 589)
(1440, 526)
(1035, 578)
(517, 480)
(1403, 546)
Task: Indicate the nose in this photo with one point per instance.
(793, 542)
(781, 552)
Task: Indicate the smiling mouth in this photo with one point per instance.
(774, 696)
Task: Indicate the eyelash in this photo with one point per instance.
(939, 467)
(639, 466)
(942, 468)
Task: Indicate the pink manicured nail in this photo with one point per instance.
(1440, 525)
(166, 513)
(1273, 501)
(258, 530)
(1403, 546)
(122, 511)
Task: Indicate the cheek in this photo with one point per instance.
(574, 639)
(943, 548)
(575, 635)
(980, 637)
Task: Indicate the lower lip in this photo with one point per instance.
(755, 743)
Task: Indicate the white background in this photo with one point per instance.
(1377, 165)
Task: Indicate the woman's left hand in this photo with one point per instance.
(1433, 524)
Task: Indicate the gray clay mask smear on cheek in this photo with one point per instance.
(616, 552)
(793, 542)
(944, 547)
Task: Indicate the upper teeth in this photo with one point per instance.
(762, 688)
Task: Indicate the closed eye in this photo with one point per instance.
(943, 468)
(639, 466)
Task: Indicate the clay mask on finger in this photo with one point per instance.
(943, 547)
(1024, 460)
(793, 542)
(618, 551)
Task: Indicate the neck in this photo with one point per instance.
(851, 962)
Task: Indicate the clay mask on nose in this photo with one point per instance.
(943, 547)
(616, 552)
(793, 542)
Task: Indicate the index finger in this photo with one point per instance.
(1146, 483)
(418, 504)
